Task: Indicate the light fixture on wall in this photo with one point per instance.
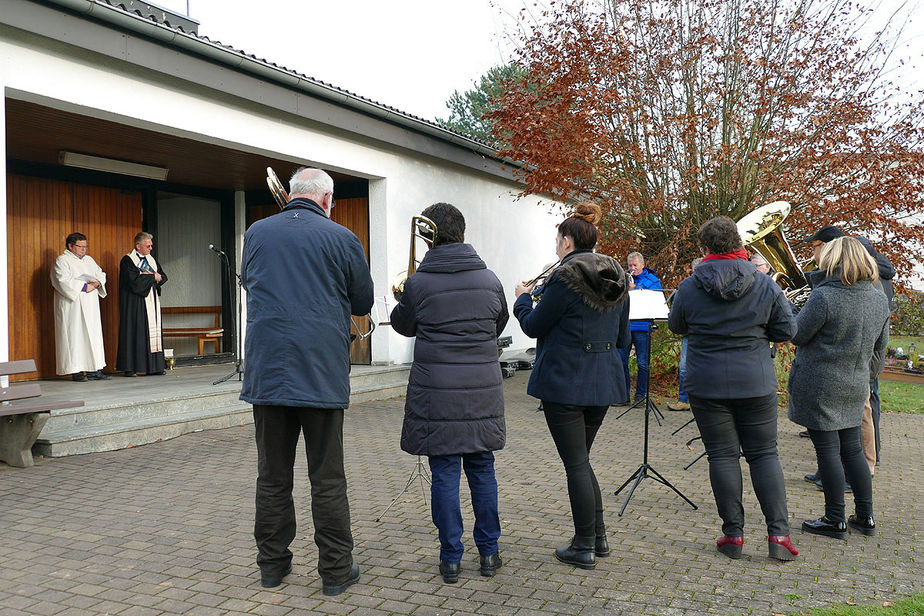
(111, 165)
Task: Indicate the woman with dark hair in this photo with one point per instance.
(730, 313)
(580, 321)
(844, 321)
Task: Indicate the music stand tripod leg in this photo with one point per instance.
(419, 473)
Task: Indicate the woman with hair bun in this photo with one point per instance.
(580, 322)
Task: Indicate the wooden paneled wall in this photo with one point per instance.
(40, 214)
(354, 215)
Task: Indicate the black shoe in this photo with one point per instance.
(639, 398)
(272, 581)
(79, 377)
(450, 571)
(623, 403)
(826, 527)
(98, 376)
(865, 525)
(813, 477)
(129, 373)
(335, 589)
(602, 546)
(489, 565)
(804, 434)
(579, 554)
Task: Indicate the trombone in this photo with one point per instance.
(425, 229)
(281, 196)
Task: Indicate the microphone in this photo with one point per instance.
(216, 250)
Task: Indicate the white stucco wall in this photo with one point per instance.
(514, 237)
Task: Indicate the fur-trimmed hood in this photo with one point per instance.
(598, 279)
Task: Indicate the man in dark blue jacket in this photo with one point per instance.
(304, 276)
(454, 411)
(642, 278)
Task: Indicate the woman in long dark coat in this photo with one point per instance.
(454, 412)
(844, 321)
(581, 321)
(730, 313)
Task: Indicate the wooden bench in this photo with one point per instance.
(22, 417)
(201, 334)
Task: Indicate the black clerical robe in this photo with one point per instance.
(141, 346)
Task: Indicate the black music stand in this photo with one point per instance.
(647, 401)
(657, 310)
(419, 473)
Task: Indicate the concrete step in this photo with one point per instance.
(127, 417)
(138, 431)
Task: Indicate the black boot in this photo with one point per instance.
(601, 545)
(826, 527)
(862, 524)
(580, 553)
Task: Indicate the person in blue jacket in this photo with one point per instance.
(580, 320)
(454, 410)
(304, 275)
(642, 278)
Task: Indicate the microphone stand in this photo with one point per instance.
(235, 332)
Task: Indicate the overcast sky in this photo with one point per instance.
(410, 54)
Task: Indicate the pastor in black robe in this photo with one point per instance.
(141, 345)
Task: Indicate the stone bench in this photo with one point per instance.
(22, 414)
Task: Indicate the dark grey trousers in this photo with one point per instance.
(840, 455)
(730, 428)
(277, 432)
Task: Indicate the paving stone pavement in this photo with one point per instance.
(166, 529)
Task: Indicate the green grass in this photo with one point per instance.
(912, 606)
(901, 397)
(905, 341)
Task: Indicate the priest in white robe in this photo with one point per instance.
(79, 284)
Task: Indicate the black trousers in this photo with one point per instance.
(748, 425)
(277, 432)
(840, 452)
(573, 429)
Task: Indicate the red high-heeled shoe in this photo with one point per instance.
(781, 547)
(730, 546)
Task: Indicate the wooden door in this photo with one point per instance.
(40, 214)
(354, 215)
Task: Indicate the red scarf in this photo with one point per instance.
(738, 254)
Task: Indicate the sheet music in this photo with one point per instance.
(647, 304)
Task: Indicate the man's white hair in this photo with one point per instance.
(635, 256)
(758, 259)
(311, 182)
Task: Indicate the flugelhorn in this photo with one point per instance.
(762, 230)
(425, 229)
(539, 281)
(281, 197)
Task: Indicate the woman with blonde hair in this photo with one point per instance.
(844, 321)
(580, 322)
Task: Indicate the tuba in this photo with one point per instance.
(281, 196)
(425, 229)
(762, 230)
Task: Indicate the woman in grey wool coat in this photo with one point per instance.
(843, 322)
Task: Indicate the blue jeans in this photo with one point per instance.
(640, 340)
(681, 393)
(447, 514)
(876, 404)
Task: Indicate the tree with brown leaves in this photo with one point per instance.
(671, 112)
